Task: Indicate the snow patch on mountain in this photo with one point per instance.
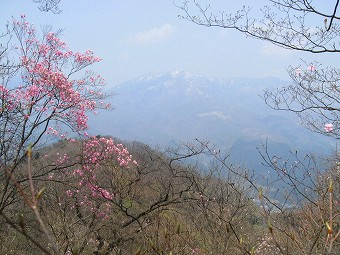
(216, 114)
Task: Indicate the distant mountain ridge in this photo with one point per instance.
(180, 106)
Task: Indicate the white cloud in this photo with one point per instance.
(154, 35)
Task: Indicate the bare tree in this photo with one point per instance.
(49, 5)
(163, 205)
(303, 219)
(292, 24)
(300, 25)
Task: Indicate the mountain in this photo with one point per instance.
(180, 106)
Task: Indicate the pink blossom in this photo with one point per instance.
(311, 68)
(53, 92)
(96, 152)
(46, 82)
(194, 250)
(298, 71)
(328, 127)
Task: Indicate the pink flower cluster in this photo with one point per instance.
(328, 127)
(47, 91)
(310, 69)
(62, 159)
(98, 149)
(49, 100)
(96, 152)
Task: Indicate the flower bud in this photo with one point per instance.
(329, 229)
(330, 189)
(29, 151)
(40, 193)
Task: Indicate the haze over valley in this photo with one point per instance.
(170, 108)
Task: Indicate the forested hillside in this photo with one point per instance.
(162, 205)
(173, 163)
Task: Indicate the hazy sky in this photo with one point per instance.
(138, 37)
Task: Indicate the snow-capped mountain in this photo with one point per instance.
(180, 106)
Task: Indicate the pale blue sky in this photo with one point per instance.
(138, 37)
